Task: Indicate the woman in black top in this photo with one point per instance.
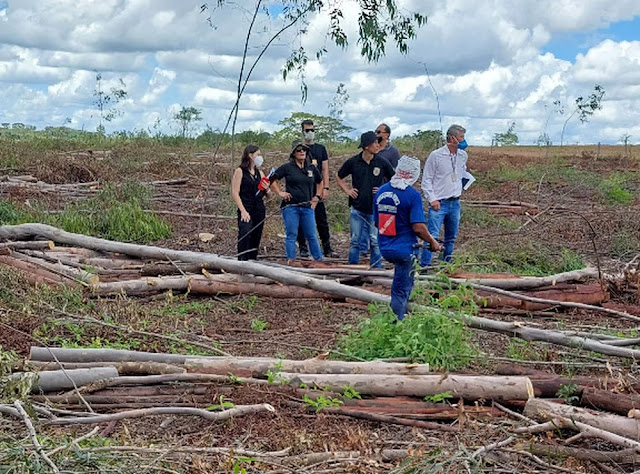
(248, 198)
(299, 200)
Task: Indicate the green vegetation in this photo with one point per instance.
(480, 217)
(523, 258)
(614, 190)
(525, 350)
(438, 397)
(322, 402)
(570, 393)
(350, 392)
(428, 336)
(258, 325)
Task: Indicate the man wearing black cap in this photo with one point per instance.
(368, 172)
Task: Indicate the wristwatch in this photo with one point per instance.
(318, 196)
(326, 187)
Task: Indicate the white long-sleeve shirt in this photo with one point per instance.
(442, 175)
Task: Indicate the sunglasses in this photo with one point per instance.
(309, 130)
(298, 150)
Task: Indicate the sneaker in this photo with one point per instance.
(304, 253)
(330, 254)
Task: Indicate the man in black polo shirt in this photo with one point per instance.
(368, 172)
(318, 157)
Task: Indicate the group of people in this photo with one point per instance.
(387, 216)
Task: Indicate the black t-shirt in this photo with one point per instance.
(301, 182)
(317, 155)
(365, 177)
(249, 195)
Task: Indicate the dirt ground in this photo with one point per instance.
(573, 217)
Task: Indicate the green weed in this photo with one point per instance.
(569, 392)
(322, 402)
(258, 325)
(350, 392)
(614, 189)
(438, 397)
(484, 218)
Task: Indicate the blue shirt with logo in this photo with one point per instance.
(395, 211)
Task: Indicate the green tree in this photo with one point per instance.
(340, 98)
(507, 138)
(328, 129)
(106, 102)
(585, 108)
(186, 118)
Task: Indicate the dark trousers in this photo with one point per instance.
(250, 234)
(323, 230)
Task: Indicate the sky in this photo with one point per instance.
(483, 65)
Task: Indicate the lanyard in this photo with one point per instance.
(454, 161)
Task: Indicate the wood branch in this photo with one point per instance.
(388, 455)
(625, 456)
(259, 366)
(526, 283)
(34, 436)
(590, 294)
(73, 274)
(239, 410)
(543, 410)
(621, 403)
(33, 245)
(34, 273)
(123, 368)
(191, 214)
(50, 354)
(500, 203)
(467, 387)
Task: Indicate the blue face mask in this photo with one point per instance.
(462, 145)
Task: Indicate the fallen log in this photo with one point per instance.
(543, 410)
(625, 456)
(26, 231)
(35, 274)
(467, 387)
(621, 403)
(123, 368)
(259, 366)
(29, 245)
(61, 354)
(591, 294)
(57, 380)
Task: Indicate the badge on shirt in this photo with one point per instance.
(314, 162)
(387, 224)
(376, 171)
(454, 177)
(310, 173)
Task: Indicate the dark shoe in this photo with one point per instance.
(304, 253)
(330, 254)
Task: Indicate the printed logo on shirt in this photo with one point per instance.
(376, 171)
(310, 173)
(387, 224)
(314, 162)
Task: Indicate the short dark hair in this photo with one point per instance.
(306, 122)
(386, 128)
(454, 129)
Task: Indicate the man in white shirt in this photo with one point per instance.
(442, 187)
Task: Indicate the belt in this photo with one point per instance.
(451, 199)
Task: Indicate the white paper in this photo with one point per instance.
(471, 179)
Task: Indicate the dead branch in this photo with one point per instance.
(34, 436)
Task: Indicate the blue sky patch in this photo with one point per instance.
(568, 45)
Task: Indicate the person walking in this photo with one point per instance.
(246, 193)
(303, 181)
(368, 172)
(319, 157)
(387, 150)
(442, 187)
(399, 217)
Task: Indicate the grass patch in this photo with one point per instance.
(614, 190)
(522, 258)
(428, 336)
(483, 218)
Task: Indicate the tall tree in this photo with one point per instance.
(186, 117)
(585, 108)
(507, 138)
(106, 102)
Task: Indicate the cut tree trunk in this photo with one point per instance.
(123, 368)
(543, 410)
(57, 380)
(591, 294)
(258, 366)
(621, 403)
(467, 387)
(51, 354)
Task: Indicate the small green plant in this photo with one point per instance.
(322, 402)
(570, 393)
(438, 397)
(272, 374)
(258, 325)
(222, 405)
(350, 392)
(614, 189)
(523, 350)
(239, 464)
(234, 379)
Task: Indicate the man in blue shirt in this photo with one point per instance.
(399, 216)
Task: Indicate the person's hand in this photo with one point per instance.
(314, 203)
(435, 205)
(244, 216)
(435, 246)
(353, 193)
(284, 195)
(325, 194)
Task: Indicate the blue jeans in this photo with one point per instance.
(294, 216)
(363, 231)
(449, 215)
(402, 285)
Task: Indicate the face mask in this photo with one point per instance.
(258, 160)
(462, 145)
(309, 135)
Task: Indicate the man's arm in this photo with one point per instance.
(420, 228)
(325, 180)
(427, 182)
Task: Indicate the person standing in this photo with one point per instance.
(246, 193)
(319, 157)
(303, 182)
(387, 150)
(399, 216)
(442, 187)
(368, 172)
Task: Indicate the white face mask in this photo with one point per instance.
(309, 135)
(258, 160)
